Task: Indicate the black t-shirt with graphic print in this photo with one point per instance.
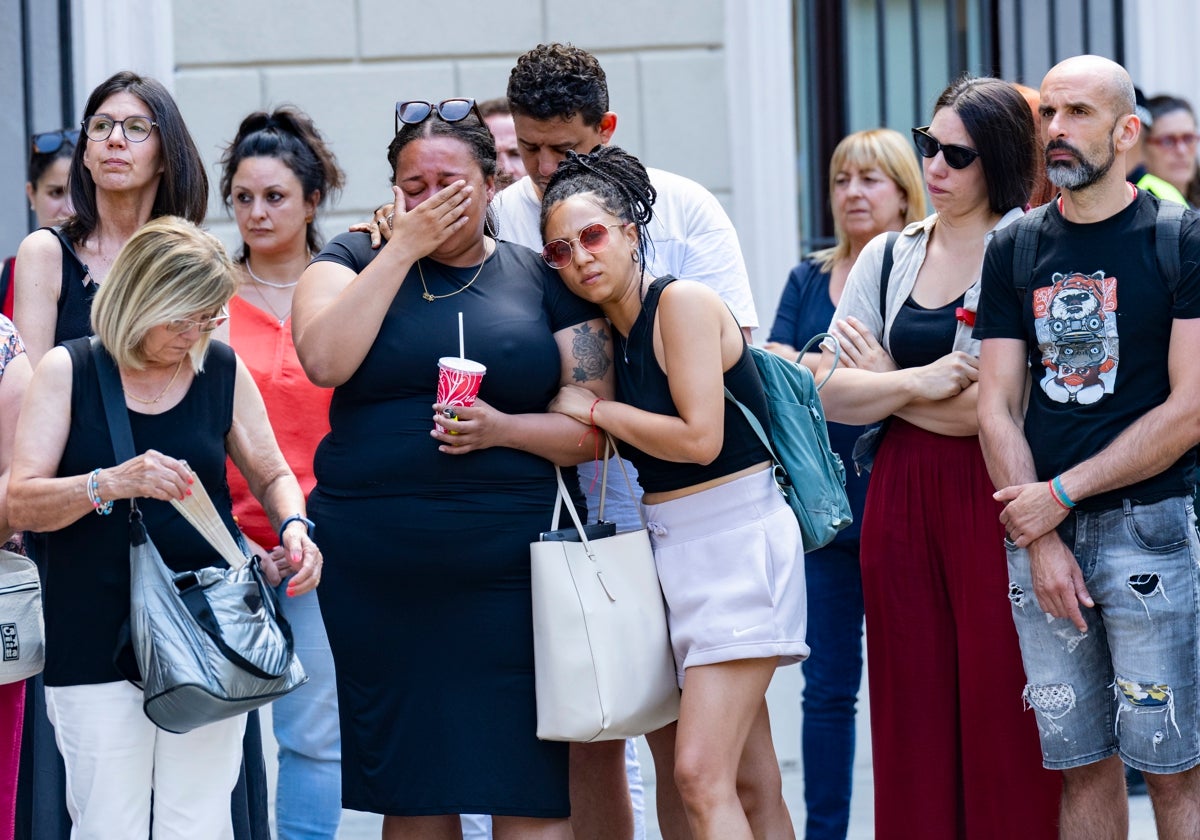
(1096, 318)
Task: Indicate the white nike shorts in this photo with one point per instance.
(731, 566)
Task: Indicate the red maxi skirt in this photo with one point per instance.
(955, 753)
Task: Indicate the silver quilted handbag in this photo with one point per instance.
(210, 644)
(22, 634)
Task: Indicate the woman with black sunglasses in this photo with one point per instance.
(427, 516)
(954, 753)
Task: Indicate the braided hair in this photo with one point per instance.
(288, 135)
(616, 178)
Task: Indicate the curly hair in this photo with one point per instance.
(616, 178)
(288, 135)
(558, 80)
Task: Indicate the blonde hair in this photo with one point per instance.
(892, 153)
(169, 269)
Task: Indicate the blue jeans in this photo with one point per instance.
(308, 800)
(832, 676)
(1130, 684)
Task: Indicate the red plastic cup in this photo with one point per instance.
(458, 382)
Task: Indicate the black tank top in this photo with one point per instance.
(75, 297)
(87, 563)
(642, 383)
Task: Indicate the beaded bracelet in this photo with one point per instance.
(93, 487)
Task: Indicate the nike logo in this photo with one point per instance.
(743, 631)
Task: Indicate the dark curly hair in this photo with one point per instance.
(471, 131)
(1000, 124)
(288, 135)
(616, 178)
(558, 80)
(183, 188)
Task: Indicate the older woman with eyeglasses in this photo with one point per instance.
(191, 403)
(1169, 144)
(427, 517)
(954, 753)
(136, 161)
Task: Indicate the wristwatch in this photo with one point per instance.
(308, 523)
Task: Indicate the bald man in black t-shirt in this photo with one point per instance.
(1089, 414)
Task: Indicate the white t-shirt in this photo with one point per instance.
(691, 235)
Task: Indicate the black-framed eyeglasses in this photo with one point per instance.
(594, 238)
(416, 111)
(99, 127)
(956, 157)
(205, 325)
(49, 142)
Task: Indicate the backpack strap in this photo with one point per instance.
(1168, 227)
(885, 276)
(1029, 230)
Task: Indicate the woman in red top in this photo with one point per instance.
(276, 173)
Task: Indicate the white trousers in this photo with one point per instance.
(115, 756)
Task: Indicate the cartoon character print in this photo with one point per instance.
(1077, 335)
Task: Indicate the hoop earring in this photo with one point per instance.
(636, 258)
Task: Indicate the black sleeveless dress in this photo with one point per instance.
(87, 562)
(426, 585)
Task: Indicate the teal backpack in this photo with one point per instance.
(810, 475)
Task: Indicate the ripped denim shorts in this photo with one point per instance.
(1129, 684)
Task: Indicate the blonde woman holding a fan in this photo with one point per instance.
(191, 402)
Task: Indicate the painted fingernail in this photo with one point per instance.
(189, 492)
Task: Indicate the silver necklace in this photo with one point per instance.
(263, 282)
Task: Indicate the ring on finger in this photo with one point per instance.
(390, 216)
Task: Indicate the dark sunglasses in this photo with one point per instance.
(450, 110)
(956, 157)
(594, 238)
(50, 142)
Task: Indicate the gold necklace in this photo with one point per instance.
(161, 393)
(271, 309)
(431, 298)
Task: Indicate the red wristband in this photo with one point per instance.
(1054, 496)
(592, 411)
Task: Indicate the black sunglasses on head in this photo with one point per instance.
(417, 111)
(49, 142)
(956, 157)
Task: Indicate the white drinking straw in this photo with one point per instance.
(461, 350)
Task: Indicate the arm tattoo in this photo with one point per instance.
(591, 351)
